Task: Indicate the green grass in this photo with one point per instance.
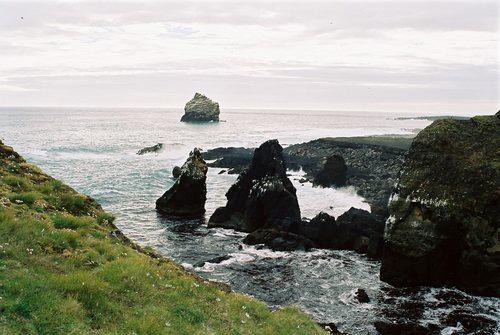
(63, 272)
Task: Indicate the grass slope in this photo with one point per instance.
(66, 269)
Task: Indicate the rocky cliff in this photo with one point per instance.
(444, 223)
(201, 109)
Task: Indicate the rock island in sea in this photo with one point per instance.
(201, 109)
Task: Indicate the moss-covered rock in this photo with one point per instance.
(201, 109)
(444, 225)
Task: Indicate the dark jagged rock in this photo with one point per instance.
(356, 230)
(279, 240)
(176, 172)
(471, 323)
(154, 148)
(372, 163)
(262, 197)
(186, 198)
(201, 109)
(361, 231)
(332, 173)
(322, 229)
(361, 296)
(390, 328)
(444, 226)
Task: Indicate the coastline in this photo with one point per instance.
(70, 270)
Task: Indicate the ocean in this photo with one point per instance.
(94, 151)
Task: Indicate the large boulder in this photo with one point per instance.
(201, 109)
(333, 172)
(444, 222)
(186, 198)
(356, 230)
(262, 197)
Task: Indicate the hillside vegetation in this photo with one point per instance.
(66, 269)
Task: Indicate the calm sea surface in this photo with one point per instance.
(94, 151)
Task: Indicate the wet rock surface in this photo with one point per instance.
(262, 197)
(333, 172)
(186, 198)
(201, 109)
(444, 226)
(279, 240)
(356, 230)
(155, 148)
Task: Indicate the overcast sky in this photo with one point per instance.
(422, 56)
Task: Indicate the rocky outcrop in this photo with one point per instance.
(154, 148)
(186, 198)
(444, 222)
(356, 230)
(372, 163)
(201, 109)
(333, 172)
(372, 168)
(262, 197)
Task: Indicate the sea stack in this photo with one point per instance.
(262, 197)
(201, 109)
(444, 225)
(186, 198)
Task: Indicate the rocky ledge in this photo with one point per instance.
(443, 227)
(186, 198)
(201, 109)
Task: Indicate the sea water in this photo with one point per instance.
(94, 151)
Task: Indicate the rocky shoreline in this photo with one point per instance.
(372, 163)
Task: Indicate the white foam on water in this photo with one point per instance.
(334, 201)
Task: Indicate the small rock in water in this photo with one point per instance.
(330, 327)
(155, 148)
(361, 296)
(222, 171)
(215, 260)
